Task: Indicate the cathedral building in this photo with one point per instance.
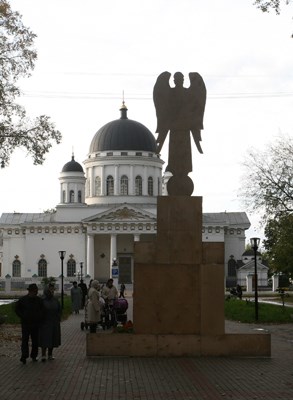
(105, 206)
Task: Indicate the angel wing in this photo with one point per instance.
(161, 97)
(197, 100)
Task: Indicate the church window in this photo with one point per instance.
(42, 268)
(138, 186)
(63, 196)
(150, 186)
(110, 185)
(79, 196)
(71, 195)
(124, 185)
(232, 266)
(98, 186)
(71, 267)
(16, 268)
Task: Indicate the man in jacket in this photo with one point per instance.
(30, 310)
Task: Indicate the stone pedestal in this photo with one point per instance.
(178, 299)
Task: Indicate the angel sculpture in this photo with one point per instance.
(179, 111)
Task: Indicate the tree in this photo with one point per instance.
(279, 243)
(266, 6)
(267, 186)
(17, 59)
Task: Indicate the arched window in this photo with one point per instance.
(138, 186)
(232, 264)
(63, 196)
(110, 186)
(124, 185)
(16, 268)
(98, 186)
(71, 196)
(71, 267)
(79, 196)
(42, 268)
(150, 186)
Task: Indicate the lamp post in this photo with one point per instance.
(254, 245)
(62, 255)
(81, 266)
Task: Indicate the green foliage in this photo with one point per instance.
(17, 59)
(244, 311)
(279, 243)
(46, 280)
(8, 310)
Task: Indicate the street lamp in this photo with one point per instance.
(62, 255)
(254, 242)
(81, 266)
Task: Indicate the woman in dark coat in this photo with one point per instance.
(50, 331)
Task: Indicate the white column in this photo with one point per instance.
(113, 248)
(116, 183)
(145, 182)
(102, 180)
(136, 238)
(131, 182)
(113, 252)
(90, 256)
(92, 189)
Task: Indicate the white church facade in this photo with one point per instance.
(105, 206)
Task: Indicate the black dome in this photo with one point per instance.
(72, 166)
(123, 134)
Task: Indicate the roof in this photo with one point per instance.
(21, 218)
(123, 134)
(227, 218)
(72, 166)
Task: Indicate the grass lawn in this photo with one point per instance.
(244, 311)
(7, 310)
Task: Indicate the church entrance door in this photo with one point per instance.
(124, 263)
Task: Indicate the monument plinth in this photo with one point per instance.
(178, 299)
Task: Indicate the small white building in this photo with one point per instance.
(104, 207)
(247, 268)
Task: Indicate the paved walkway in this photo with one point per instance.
(73, 376)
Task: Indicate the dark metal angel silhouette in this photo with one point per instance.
(179, 110)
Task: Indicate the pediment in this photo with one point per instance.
(250, 266)
(122, 214)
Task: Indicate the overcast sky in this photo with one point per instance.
(90, 51)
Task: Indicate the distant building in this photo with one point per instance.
(105, 206)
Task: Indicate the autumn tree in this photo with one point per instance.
(267, 189)
(17, 59)
(266, 6)
(279, 243)
(267, 184)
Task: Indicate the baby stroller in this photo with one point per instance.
(114, 312)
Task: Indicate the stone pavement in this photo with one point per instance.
(73, 376)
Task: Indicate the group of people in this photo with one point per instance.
(97, 296)
(40, 320)
(41, 315)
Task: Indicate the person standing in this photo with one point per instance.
(50, 330)
(83, 288)
(30, 310)
(110, 292)
(93, 306)
(76, 298)
(122, 290)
